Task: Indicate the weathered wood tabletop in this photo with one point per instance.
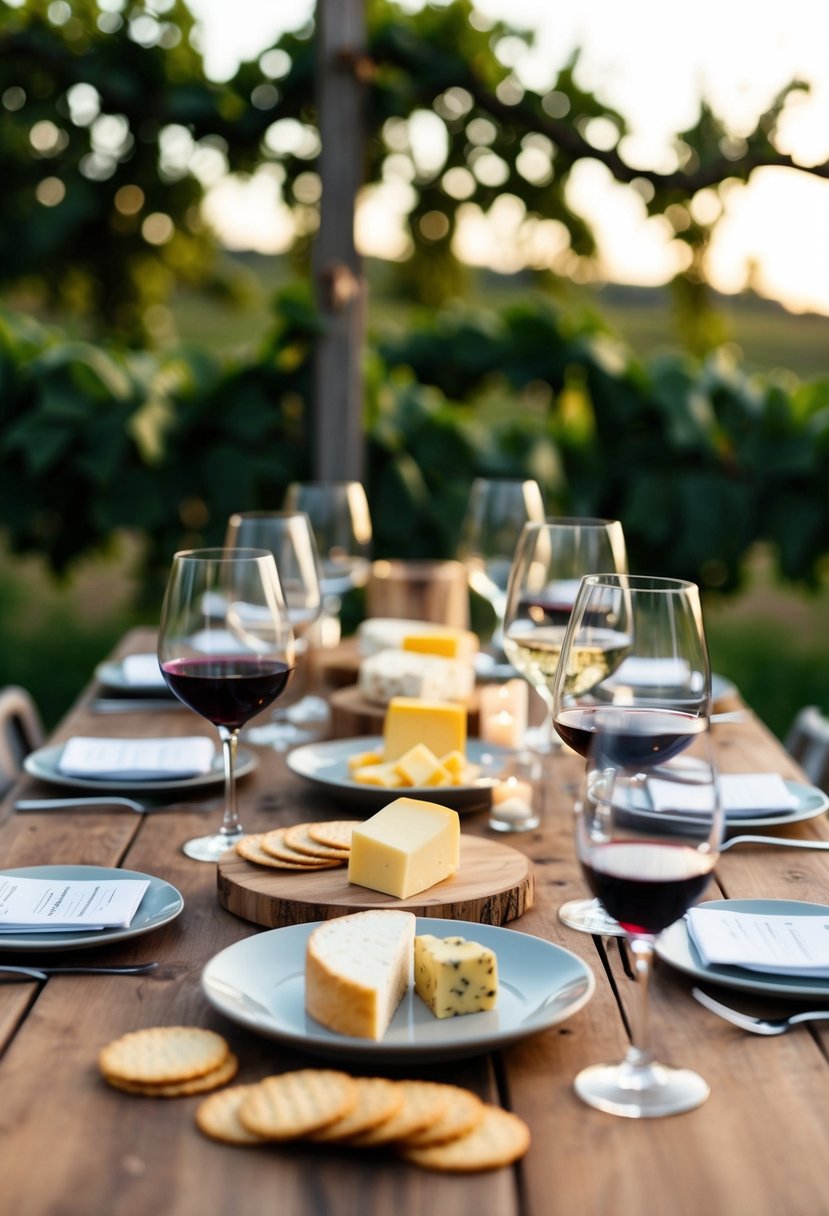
(72, 1145)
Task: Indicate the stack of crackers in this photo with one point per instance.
(303, 847)
(168, 1061)
(434, 1125)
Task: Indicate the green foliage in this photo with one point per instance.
(698, 462)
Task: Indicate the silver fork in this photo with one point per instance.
(758, 1025)
(783, 841)
(42, 973)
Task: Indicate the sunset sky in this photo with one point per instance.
(652, 62)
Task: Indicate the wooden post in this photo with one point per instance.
(339, 450)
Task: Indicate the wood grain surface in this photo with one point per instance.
(493, 885)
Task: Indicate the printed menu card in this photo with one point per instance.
(43, 905)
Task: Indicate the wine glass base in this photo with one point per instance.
(588, 916)
(211, 848)
(641, 1093)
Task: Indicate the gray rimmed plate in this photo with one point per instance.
(161, 903)
(326, 766)
(44, 763)
(260, 984)
(675, 947)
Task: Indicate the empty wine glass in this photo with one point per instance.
(549, 561)
(496, 512)
(226, 649)
(648, 857)
(288, 536)
(341, 522)
(636, 643)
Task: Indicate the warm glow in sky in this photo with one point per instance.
(652, 62)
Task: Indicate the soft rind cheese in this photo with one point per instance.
(440, 725)
(398, 673)
(358, 968)
(387, 633)
(407, 847)
(454, 976)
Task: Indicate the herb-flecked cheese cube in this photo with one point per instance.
(455, 976)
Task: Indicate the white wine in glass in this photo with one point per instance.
(226, 649)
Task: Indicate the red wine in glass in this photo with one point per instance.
(646, 885)
(639, 738)
(227, 690)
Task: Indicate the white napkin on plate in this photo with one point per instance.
(744, 795)
(142, 671)
(137, 759)
(777, 944)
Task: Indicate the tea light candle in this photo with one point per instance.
(513, 790)
(503, 713)
(512, 809)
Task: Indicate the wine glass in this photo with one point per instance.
(647, 866)
(226, 649)
(545, 573)
(637, 643)
(341, 522)
(496, 511)
(288, 536)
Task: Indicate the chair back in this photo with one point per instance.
(21, 731)
(808, 743)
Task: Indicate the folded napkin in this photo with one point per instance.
(142, 671)
(650, 673)
(777, 944)
(744, 795)
(53, 905)
(136, 759)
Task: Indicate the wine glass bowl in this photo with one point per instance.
(226, 650)
(648, 830)
(496, 512)
(341, 522)
(549, 562)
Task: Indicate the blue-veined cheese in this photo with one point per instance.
(401, 673)
(454, 976)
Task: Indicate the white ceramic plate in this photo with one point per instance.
(111, 675)
(260, 983)
(44, 764)
(161, 903)
(675, 947)
(326, 765)
(811, 802)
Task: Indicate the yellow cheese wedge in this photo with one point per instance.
(449, 643)
(455, 976)
(440, 725)
(407, 847)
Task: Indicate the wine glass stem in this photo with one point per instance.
(639, 1056)
(230, 821)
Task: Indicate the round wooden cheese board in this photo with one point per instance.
(493, 885)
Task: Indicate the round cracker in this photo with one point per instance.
(274, 845)
(462, 1111)
(299, 838)
(218, 1117)
(296, 1103)
(336, 833)
(423, 1104)
(182, 1089)
(163, 1054)
(250, 847)
(378, 1099)
(498, 1139)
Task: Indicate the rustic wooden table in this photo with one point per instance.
(72, 1145)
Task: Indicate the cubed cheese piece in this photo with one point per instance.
(454, 763)
(396, 673)
(362, 759)
(421, 767)
(407, 847)
(440, 725)
(384, 775)
(453, 975)
(357, 970)
(450, 643)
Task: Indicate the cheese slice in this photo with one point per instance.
(459, 644)
(455, 976)
(440, 725)
(407, 847)
(358, 969)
